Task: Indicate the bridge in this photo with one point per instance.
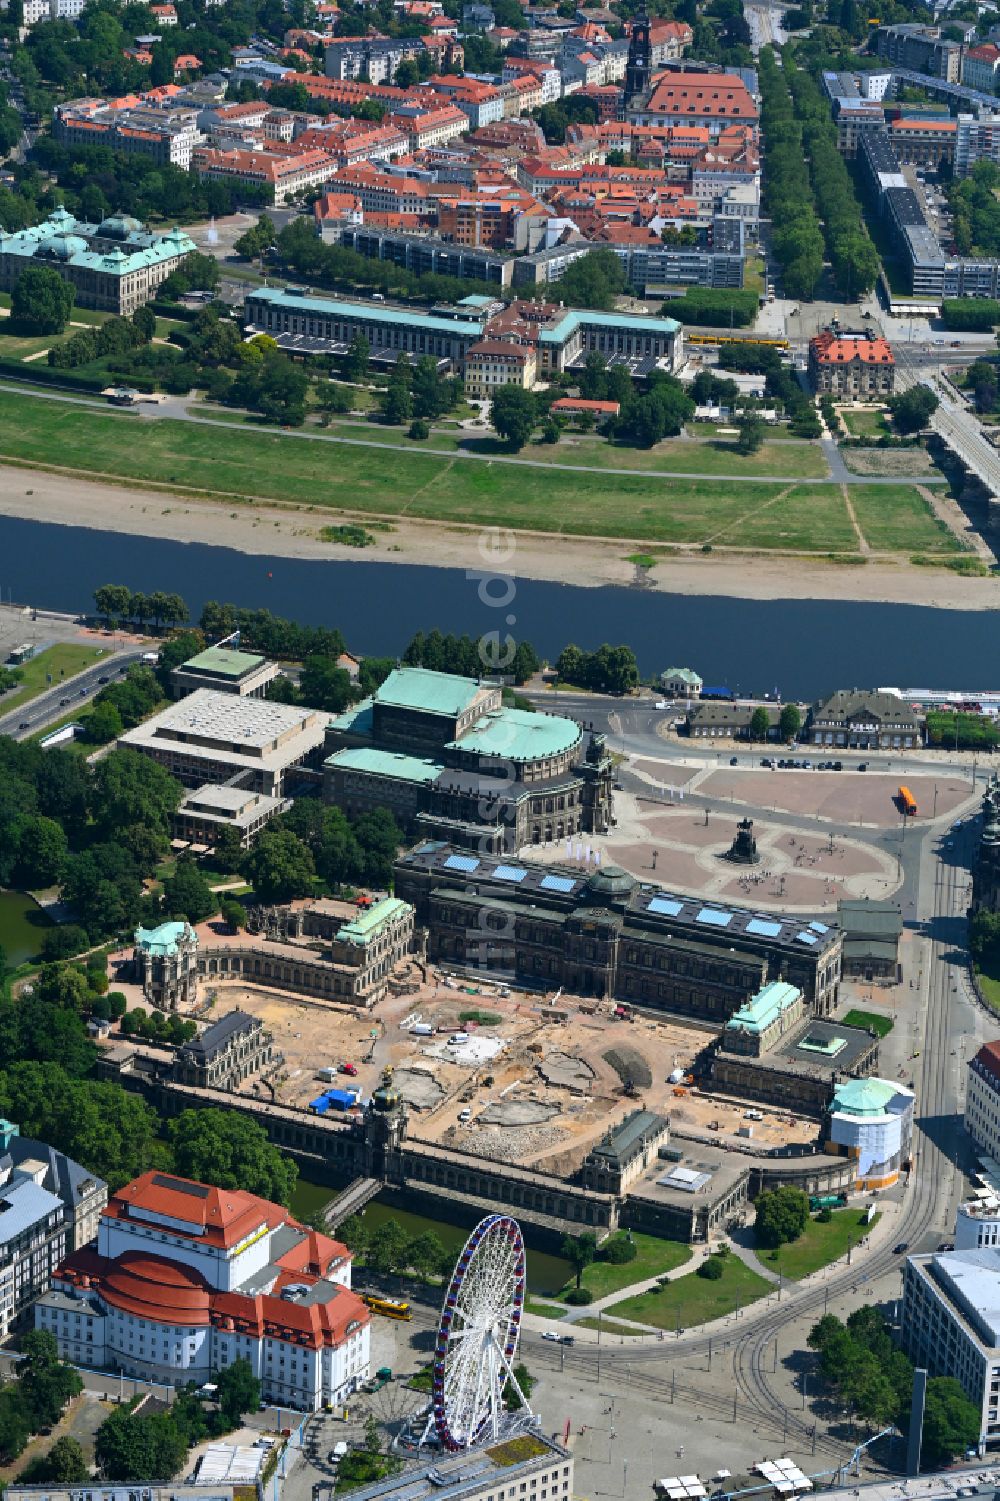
(958, 429)
(351, 1201)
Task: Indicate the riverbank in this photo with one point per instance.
(294, 532)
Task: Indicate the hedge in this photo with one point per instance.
(977, 313)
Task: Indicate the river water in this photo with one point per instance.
(803, 648)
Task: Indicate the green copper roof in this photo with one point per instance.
(519, 735)
(361, 928)
(363, 312)
(356, 717)
(382, 763)
(863, 1096)
(224, 662)
(430, 692)
(162, 940)
(621, 322)
(764, 1008)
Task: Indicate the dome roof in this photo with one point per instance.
(610, 883)
(153, 1288)
(64, 246)
(118, 226)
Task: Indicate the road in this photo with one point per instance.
(51, 705)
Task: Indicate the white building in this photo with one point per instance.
(950, 1323)
(977, 1224)
(871, 1122)
(48, 1206)
(982, 1099)
(187, 1278)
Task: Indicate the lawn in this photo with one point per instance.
(435, 487)
(694, 1300)
(819, 1243)
(880, 1025)
(543, 1309)
(607, 1326)
(990, 987)
(655, 1257)
(805, 519)
(64, 660)
(865, 424)
(896, 518)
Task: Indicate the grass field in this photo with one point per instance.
(694, 1300)
(990, 987)
(880, 1025)
(819, 1244)
(64, 660)
(608, 1326)
(896, 518)
(865, 424)
(272, 466)
(654, 1259)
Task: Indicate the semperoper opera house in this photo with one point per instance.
(115, 266)
(453, 764)
(603, 933)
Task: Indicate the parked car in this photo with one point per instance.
(551, 1336)
(734, 760)
(349, 1068)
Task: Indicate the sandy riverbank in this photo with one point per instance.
(585, 562)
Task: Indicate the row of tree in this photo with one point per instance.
(797, 238)
(116, 336)
(468, 657)
(609, 669)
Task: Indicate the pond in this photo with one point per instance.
(22, 923)
(546, 1273)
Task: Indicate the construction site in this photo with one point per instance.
(508, 1076)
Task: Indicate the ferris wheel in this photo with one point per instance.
(477, 1340)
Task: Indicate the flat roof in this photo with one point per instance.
(223, 661)
(519, 735)
(238, 725)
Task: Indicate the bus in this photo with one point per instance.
(392, 1308)
(748, 340)
(907, 802)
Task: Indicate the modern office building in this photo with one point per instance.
(115, 266)
(203, 814)
(210, 736)
(529, 1467)
(950, 1323)
(604, 933)
(224, 670)
(187, 1278)
(49, 1205)
(922, 49)
(445, 755)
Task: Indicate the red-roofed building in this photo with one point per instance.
(166, 15)
(851, 365)
(186, 1278)
(980, 66)
(285, 172)
(924, 143)
(711, 99)
(577, 406)
(490, 363)
(982, 1099)
(186, 62)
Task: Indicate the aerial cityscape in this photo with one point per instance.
(499, 804)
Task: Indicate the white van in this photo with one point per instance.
(465, 1115)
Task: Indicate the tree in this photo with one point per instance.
(358, 359)
(397, 403)
(782, 1214)
(102, 725)
(233, 915)
(231, 1151)
(710, 1269)
(593, 280)
(46, 1383)
(951, 1422)
(513, 412)
(751, 436)
(388, 1245)
(760, 724)
(63, 1464)
(186, 893)
(912, 409)
(135, 1447)
(41, 851)
(579, 1251)
(426, 1254)
(113, 602)
(279, 867)
(144, 321)
(41, 301)
(789, 721)
(239, 1391)
(130, 789)
(324, 685)
(228, 852)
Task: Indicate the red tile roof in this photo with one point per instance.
(831, 350)
(988, 1059)
(217, 1216)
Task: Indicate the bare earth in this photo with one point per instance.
(588, 563)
